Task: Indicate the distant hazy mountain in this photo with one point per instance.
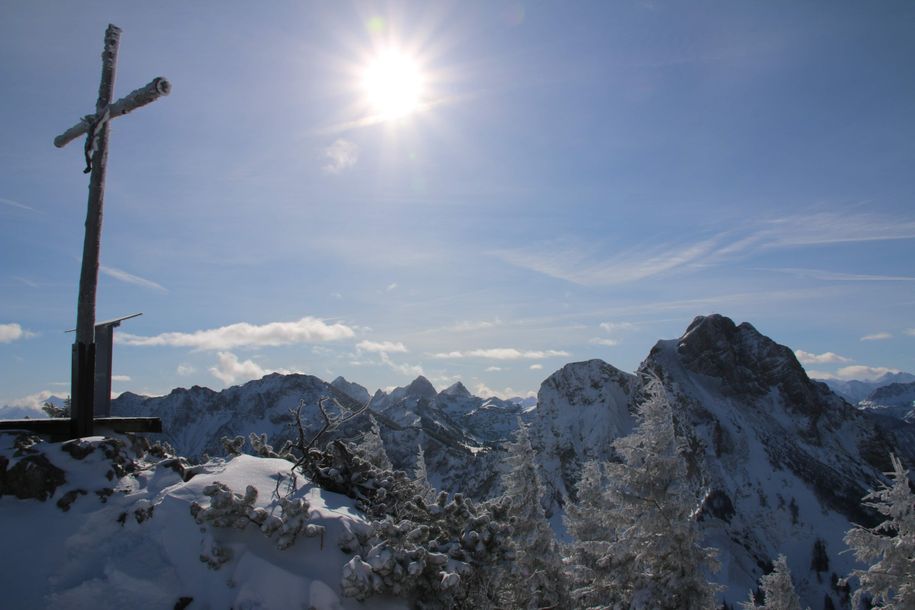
(854, 391)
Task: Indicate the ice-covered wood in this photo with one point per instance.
(138, 98)
(96, 127)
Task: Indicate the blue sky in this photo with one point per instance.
(580, 180)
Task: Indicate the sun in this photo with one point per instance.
(393, 84)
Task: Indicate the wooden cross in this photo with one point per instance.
(95, 126)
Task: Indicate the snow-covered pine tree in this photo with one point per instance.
(656, 559)
(372, 448)
(421, 474)
(586, 522)
(889, 582)
(538, 579)
(777, 588)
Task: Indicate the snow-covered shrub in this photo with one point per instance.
(261, 448)
(230, 509)
(889, 582)
(233, 446)
(448, 553)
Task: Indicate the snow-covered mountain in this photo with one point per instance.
(782, 461)
(456, 430)
(894, 400)
(581, 409)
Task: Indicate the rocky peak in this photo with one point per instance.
(421, 388)
(351, 389)
(893, 391)
(745, 361)
(456, 390)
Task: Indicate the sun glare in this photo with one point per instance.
(393, 84)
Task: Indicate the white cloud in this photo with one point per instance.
(859, 372)
(381, 346)
(468, 326)
(536, 367)
(411, 370)
(13, 332)
(502, 353)
(483, 391)
(306, 330)
(826, 357)
(120, 378)
(27, 406)
(607, 342)
(186, 369)
(340, 155)
(229, 369)
(612, 327)
(129, 278)
(390, 287)
(881, 336)
(910, 332)
(493, 369)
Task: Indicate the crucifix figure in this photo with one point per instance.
(95, 126)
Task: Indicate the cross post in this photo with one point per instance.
(96, 128)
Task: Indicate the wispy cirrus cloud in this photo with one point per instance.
(503, 353)
(881, 336)
(833, 227)
(243, 334)
(16, 204)
(567, 259)
(573, 263)
(129, 278)
(824, 358)
(820, 274)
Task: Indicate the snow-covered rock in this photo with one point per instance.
(581, 409)
(119, 533)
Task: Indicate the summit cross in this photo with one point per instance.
(96, 126)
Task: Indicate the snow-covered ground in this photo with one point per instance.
(132, 542)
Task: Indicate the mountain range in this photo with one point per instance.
(780, 461)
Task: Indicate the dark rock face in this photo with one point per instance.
(421, 388)
(32, 477)
(718, 504)
(750, 364)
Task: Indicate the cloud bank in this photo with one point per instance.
(306, 330)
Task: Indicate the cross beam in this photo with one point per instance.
(96, 126)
